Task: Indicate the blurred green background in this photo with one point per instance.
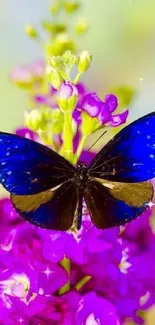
(121, 39)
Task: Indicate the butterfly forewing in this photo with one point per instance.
(27, 167)
(49, 209)
(130, 155)
(111, 205)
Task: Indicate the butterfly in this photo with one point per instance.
(47, 190)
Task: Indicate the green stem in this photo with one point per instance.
(82, 282)
(65, 263)
(77, 78)
(64, 74)
(67, 152)
(67, 147)
(80, 148)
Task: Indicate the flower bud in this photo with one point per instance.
(54, 61)
(81, 27)
(71, 6)
(22, 77)
(57, 121)
(67, 96)
(84, 61)
(60, 45)
(54, 28)
(55, 8)
(31, 31)
(33, 119)
(54, 77)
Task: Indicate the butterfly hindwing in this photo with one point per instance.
(27, 167)
(130, 155)
(49, 209)
(114, 204)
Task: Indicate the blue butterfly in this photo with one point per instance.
(47, 190)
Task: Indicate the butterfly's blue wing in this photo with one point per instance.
(115, 204)
(130, 155)
(27, 167)
(49, 209)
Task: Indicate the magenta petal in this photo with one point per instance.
(22, 73)
(77, 115)
(118, 119)
(38, 68)
(105, 115)
(67, 89)
(40, 99)
(26, 133)
(91, 104)
(96, 310)
(81, 88)
(112, 102)
(52, 278)
(87, 157)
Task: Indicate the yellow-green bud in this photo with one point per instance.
(69, 59)
(57, 121)
(54, 77)
(81, 27)
(67, 96)
(55, 61)
(71, 6)
(54, 28)
(62, 43)
(33, 119)
(55, 8)
(84, 61)
(31, 31)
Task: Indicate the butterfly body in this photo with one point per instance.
(47, 190)
(81, 177)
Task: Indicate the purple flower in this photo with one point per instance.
(67, 90)
(27, 74)
(94, 309)
(67, 96)
(139, 234)
(119, 119)
(87, 156)
(47, 99)
(91, 104)
(105, 114)
(112, 102)
(119, 266)
(22, 75)
(26, 133)
(45, 310)
(82, 90)
(37, 68)
(10, 221)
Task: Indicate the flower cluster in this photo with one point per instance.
(106, 276)
(85, 277)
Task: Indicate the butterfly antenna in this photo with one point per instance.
(97, 140)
